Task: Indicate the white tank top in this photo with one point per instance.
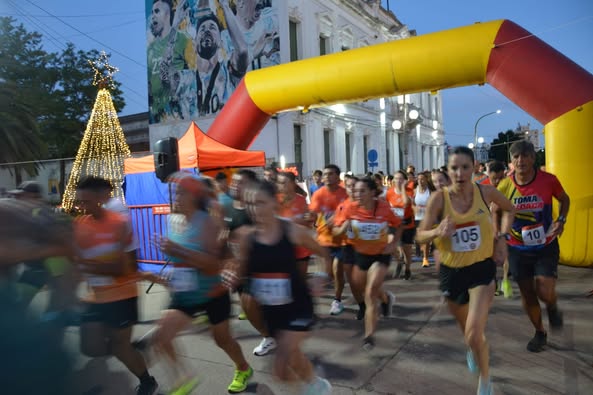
(421, 200)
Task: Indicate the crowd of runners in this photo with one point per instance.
(252, 240)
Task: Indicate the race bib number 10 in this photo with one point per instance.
(466, 238)
(533, 235)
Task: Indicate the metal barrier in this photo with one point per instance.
(149, 221)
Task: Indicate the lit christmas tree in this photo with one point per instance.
(103, 147)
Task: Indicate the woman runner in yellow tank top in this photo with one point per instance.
(469, 253)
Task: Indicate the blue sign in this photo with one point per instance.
(372, 156)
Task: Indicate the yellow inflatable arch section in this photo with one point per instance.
(543, 82)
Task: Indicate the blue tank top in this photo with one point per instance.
(189, 285)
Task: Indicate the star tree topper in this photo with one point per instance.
(103, 71)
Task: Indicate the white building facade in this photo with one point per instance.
(374, 135)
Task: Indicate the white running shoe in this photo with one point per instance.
(485, 387)
(318, 386)
(265, 346)
(336, 308)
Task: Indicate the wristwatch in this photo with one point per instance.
(561, 218)
(506, 236)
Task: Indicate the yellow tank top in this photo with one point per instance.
(473, 240)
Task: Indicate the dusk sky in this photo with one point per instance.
(118, 27)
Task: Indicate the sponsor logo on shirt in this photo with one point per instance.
(528, 203)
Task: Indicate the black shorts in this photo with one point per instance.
(120, 314)
(455, 283)
(35, 275)
(348, 257)
(529, 264)
(335, 252)
(288, 318)
(218, 310)
(364, 262)
(408, 236)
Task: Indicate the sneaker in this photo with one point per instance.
(506, 288)
(425, 263)
(336, 307)
(537, 343)
(186, 387)
(472, 366)
(266, 345)
(239, 383)
(361, 311)
(242, 316)
(368, 343)
(318, 386)
(485, 387)
(555, 318)
(398, 270)
(407, 274)
(148, 387)
(386, 308)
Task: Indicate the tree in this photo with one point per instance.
(55, 87)
(499, 148)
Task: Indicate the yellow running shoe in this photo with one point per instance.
(186, 388)
(239, 383)
(242, 316)
(507, 288)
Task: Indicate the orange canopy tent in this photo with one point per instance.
(197, 150)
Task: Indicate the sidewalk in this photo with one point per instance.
(419, 351)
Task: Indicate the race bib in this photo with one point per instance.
(533, 235)
(99, 281)
(420, 212)
(467, 237)
(369, 230)
(272, 289)
(399, 212)
(184, 279)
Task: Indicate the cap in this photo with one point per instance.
(27, 186)
(188, 181)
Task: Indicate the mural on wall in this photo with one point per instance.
(198, 51)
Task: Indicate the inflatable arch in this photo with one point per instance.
(543, 82)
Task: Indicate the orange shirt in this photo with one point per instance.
(486, 181)
(292, 210)
(370, 228)
(404, 212)
(340, 212)
(101, 241)
(325, 203)
(410, 185)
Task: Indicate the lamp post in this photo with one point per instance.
(476, 125)
(411, 118)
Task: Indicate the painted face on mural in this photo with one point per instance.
(250, 10)
(208, 39)
(160, 17)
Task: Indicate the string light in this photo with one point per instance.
(103, 147)
(103, 77)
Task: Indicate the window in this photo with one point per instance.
(293, 31)
(365, 148)
(348, 152)
(326, 145)
(323, 45)
(298, 144)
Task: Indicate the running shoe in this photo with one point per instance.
(242, 316)
(555, 318)
(318, 386)
(398, 270)
(368, 343)
(266, 345)
(485, 387)
(239, 383)
(425, 263)
(148, 387)
(336, 307)
(387, 308)
(407, 274)
(472, 366)
(507, 288)
(186, 388)
(361, 311)
(537, 343)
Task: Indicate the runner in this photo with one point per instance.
(421, 195)
(267, 259)
(324, 203)
(106, 253)
(533, 245)
(375, 238)
(440, 179)
(193, 247)
(401, 205)
(465, 237)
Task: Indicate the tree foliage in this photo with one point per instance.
(499, 148)
(55, 89)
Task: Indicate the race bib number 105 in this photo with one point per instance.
(466, 238)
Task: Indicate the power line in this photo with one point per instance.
(75, 16)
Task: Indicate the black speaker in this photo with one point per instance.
(166, 158)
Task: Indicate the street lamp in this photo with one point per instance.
(411, 118)
(476, 125)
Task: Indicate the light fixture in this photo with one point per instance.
(480, 140)
(470, 146)
(397, 124)
(282, 162)
(435, 124)
(382, 103)
(435, 134)
(414, 114)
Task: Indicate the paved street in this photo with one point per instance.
(419, 351)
